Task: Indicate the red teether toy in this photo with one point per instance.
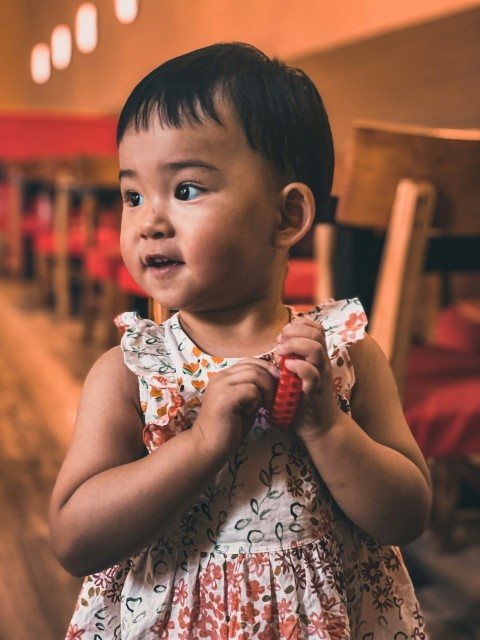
(287, 396)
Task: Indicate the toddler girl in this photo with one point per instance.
(192, 515)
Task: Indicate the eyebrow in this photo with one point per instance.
(126, 173)
(173, 167)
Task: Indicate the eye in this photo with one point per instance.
(133, 198)
(187, 192)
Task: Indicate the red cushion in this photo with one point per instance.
(29, 225)
(300, 281)
(101, 264)
(128, 284)
(5, 188)
(45, 243)
(103, 259)
(458, 327)
(442, 401)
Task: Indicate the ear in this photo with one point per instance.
(297, 212)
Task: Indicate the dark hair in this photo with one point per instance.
(279, 107)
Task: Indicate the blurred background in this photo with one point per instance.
(401, 83)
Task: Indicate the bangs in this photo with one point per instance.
(173, 98)
(175, 110)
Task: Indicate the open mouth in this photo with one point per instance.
(160, 263)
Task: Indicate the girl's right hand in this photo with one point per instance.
(231, 400)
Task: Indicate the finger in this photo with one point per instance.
(248, 363)
(304, 321)
(310, 350)
(247, 397)
(312, 380)
(264, 377)
(310, 329)
(251, 394)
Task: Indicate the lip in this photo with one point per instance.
(162, 265)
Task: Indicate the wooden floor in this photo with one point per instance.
(43, 364)
(38, 398)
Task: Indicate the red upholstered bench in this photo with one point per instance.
(458, 326)
(442, 401)
(442, 407)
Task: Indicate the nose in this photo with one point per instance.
(156, 223)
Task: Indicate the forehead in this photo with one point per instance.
(223, 145)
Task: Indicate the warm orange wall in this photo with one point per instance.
(14, 82)
(101, 80)
(427, 74)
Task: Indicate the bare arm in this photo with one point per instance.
(370, 461)
(110, 500)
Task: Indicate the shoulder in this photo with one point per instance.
(369, 361)
(111, 364)
(363, 352)
(373, 377)
(109, 421)
(110, 377)
(376, 405)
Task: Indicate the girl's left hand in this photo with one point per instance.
(318, 408)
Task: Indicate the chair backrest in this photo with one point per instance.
(80, 182)
(412, 183)
(400, 267)
(381, 154)
(86, 176)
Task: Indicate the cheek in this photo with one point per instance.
(126, 247)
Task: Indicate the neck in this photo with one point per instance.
(245, 330)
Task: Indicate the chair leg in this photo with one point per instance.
(61, 284)
(88, 308)
(109, 307)
(446, 493)
(42, 273)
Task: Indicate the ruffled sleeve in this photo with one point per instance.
(344, 322)
(147, 354)
(145, 350)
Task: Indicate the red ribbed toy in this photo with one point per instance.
(288, 394)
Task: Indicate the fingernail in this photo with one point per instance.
(288, 362)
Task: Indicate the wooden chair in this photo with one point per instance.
(102, 250)
(29, 203)
(60, 255)
(391, 171)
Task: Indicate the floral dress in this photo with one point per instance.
(264, 552)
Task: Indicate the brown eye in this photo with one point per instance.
(135, 199)
(187, 192)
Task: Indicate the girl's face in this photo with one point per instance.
(200, 212)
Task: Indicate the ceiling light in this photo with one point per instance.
(86, 31)
(61, 45)
(40, 63)
(126, 10)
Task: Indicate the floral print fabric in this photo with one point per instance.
(264, 552)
